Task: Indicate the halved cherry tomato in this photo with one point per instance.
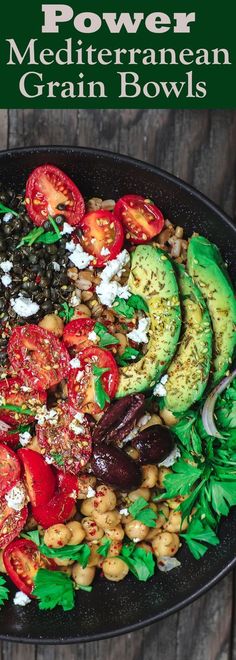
(22, 561)
(10, 469)
(76, 333)
(11, 522)
(13, 392)
(67, 482)
(58, 510)
(68, 442)
(142, 219)
(38, 355)
(39, 477)
(101, 235)
(7, 434)
(49, 191)
(81, 382)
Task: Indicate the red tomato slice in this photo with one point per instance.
(67, 483)
(49, 191)
(81, 382)
(101, 231)
(58, 510)
(39, 477)
(65, 445)
(22, 561)
(9, 469)
(38, 355)
(10, 439)
(142, 220)
(76, 333)
(12, 390)
(11, 522)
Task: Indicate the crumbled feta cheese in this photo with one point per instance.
(166, 564)
(92, 336)
(25, 388)
(70, 246)
(159, 389)
(25, 438)
(21, 599)
(46, 415)
(4, 427)
(24, 307)
(66, 229)
(80, 258)
(170, 460)
(75, 299)
(75, 363)
(123, 292)
(105, 252)
(56, 266)
(124, 512)
(6, 280)
(139, 334)
(80, 417)
(91, 492)
(108, 290)
(115, 266)
(144, 419)
(76, 427)
(164, 379)
(8, 216)
(6, 266)
(16, 498)
(48, 460)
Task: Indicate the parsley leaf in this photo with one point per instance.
(53, 588)
(137, 302)
(20, 429)
(83, 587)
(32, 536)
(80, 553)
(223, 495)
(101, 396)
(140, 562)
(31, 237)
(57, 458)
(5, 209)
(4, 591)
(103, 549)
(128, 354)
(141, 511)
(105, 338)
(121, 307)
(197, 535)
(66, 312)
(181, 480)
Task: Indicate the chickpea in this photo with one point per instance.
(140, 492)
(116, 534)
(94, 559)
(162, 517)
(174, 502)
(107, 520)
(105, 499)
(165, 544)
(53, 323)
(150, 476)
(84, 482)
(162, 472)
(83, 576)
(168, 417)
(135, 529)
(155, 419)
(92, 531)
(2, 565)
(57, 536)
(144, 546)
(82, 311)
(115, 548)
(175, 523)
(77, 532)
(115, 569)
(87, 507)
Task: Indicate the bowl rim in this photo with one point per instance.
(201, 197)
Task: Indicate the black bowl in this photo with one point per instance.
(118, 608)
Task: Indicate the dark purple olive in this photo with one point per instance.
(115, 468)
(154, 444)
(119, 418)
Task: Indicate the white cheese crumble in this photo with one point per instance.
(139, 334)
(56, 266)
(75, 363)
(166, 564)
(48, 460)
(124, 512)
(91, 492)
(75, 299)
(8, 216)
(25, 438)
(70, 246)
(172, 458)
(6, 280)
(46, 415)
(105, 252)
(24, 307)
(78, 257)
(66, 229)
(159, 389)
(21, 599)
(3, 426)
(6, 266)
(108, 290)
(16, 498)
(92, 336)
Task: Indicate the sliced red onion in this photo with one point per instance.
(209, 406)
(166, 564)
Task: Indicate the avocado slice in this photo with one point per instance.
(208, 270)
(152, 277)
(189, 370)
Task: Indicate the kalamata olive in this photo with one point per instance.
(115, 468)
(154, 444)
(119, 418)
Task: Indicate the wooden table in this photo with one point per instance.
(200, 147)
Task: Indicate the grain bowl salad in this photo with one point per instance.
(117, 391)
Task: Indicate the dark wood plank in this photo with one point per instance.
(198, 146)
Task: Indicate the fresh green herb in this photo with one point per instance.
(197, 535)
(52, 589)
(32, 536)
(105, 338)
(66, 312)
(4, 591)
(57, 458)
(128, 354)
(20, 429)
(18, 409)
(141, 511)
(121, 307)
(31, 237)
(180, 481)
(137, 302)
(223, 495)
(101, 395)
(54, 225)
(39, 235)
(103, 549)
(5, 209)
(80, 553)
(82, 587)
(140, 562)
